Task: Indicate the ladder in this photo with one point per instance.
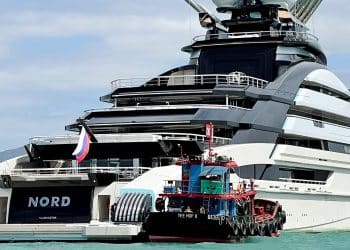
(206, 203)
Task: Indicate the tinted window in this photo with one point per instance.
(253, 61)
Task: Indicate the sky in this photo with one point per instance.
(58, 57)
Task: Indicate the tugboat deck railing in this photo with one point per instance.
(236, 78)
(289, 36)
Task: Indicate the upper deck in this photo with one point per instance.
(235, 79)
(286, 36)
(302, 9)
(263, 38)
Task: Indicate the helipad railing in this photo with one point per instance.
(235, 78)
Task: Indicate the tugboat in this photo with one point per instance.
(204, 206)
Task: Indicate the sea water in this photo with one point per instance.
(288, 240)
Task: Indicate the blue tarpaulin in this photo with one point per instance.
(213, 171)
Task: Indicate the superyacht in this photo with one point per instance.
(258, 76)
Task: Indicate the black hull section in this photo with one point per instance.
(50, 205)
(190, 227)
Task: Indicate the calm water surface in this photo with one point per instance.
(286, 241)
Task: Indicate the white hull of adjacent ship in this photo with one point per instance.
(313, 212)
(314, 193)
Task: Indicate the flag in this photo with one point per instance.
(83, 146)
(209, 131)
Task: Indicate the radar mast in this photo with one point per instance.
(257, 15)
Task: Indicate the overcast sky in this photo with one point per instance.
(57, 57)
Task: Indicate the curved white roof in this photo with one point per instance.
(328, 79)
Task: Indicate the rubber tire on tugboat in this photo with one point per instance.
(269, 229)
(243, 228)
(235, 229)
(275, 227)
(261, 229)
(283, 213)
(251, 229)
(279, 223)
(256, 228)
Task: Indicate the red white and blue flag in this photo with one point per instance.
(83, 146)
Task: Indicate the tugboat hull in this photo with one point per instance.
(268, 220)
(192, 227)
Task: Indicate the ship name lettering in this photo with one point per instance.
(187, 216)
(44, 201)
(213, 217)
(216, 217)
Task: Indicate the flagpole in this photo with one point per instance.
(209, 134)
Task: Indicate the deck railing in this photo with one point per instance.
(167, 107)
(122, 173)
(195, 137)
(238, 79)
(71, 139)
(283, 35)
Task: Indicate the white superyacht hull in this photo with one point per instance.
(314, 206)
(313, 212)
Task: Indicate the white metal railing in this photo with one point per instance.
(128, 82)
(236, 78)
(71, 139)
(158, 107)
(194, 137)
(126, 172)
(167, 106)
(285, 35)
(303, 181)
